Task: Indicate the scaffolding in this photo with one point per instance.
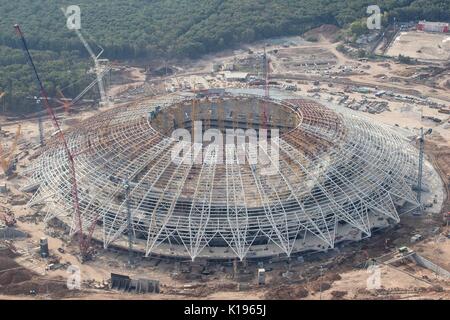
(338, 176)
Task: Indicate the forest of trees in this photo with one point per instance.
(64, 70)
(130, 29)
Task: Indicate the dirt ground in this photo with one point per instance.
(24, 275)
(421, 45)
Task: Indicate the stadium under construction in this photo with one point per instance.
(322, 175)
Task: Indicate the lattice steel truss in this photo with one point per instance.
(338, 174)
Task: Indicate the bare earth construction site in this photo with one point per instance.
(342, 194)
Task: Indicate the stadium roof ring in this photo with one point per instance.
(337, 177)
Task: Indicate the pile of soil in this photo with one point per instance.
(332, 277)
(338, 295)
(16, 280)
(7, 263)
(7, 252)
(317, 286)
(39, 287)
(11, 272)
(14, 276)
(287, 293)
(328, 31)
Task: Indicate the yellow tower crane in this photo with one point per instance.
(7, 164)
(66, 103)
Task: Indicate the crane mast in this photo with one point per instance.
(84, 243)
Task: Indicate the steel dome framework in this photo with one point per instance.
(338, 177)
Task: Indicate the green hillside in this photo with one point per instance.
(173, 28)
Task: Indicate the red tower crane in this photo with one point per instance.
(84, 241)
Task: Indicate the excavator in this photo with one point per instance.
(7, 161)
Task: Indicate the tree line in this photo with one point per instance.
(148, 29)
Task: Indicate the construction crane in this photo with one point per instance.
(99, 68)
(66, 103)
(40, 121)
(99, 71)
(84, 241)
(421, 140)
(98, 80)
(7, 163)
(62, 101)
